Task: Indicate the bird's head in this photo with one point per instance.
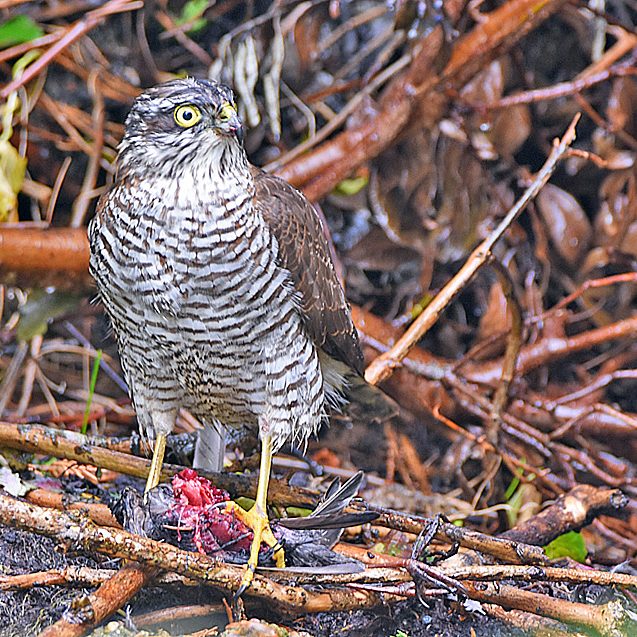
(181, 123)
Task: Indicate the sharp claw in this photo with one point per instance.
(237, 605)
(257, 519)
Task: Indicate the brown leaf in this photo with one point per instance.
(510, 129)
(567, 224)
(621, 105)
(618, 194)
(307, 34)
(487, 86)
(496, 318)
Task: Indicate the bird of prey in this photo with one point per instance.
(219, 285)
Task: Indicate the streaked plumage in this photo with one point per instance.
(217, 279)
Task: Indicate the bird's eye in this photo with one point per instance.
(226, 112)
(187, 115)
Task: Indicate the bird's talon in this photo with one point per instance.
(256, 519)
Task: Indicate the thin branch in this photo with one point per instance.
(49, 441)
(88, 22)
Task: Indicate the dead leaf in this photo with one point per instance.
(496, 319)
(510, 129)
(567, 224)
(11, 483)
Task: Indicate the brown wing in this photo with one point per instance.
(304, 251)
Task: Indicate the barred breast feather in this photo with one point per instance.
(224, 305)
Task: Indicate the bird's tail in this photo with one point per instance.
(210, 448)
(346, 391)
(368, 401)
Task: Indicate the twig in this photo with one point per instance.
(80, 28)
(494, 572)
(606, 619)
(176, 613)
(20, 49)
(341, 117)
(502, 548)
(514, 343)
(12, 373)
(178, 32)
(559, 90)
(79, 576)
(71, 575)
(384, 365)
(551, 349)
(101, 604)
(81, 203)
(57, 186)
(28, 374)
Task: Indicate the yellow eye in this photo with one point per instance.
(226, 112)
(187, 115)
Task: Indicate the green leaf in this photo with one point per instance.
(12, 170)
(516, 494)
(569, 544)
(17, 30)
(298, 512)
(515, 501)
(352, 186)
(513, 486)
(392, 548)
(245, 503)
(41, 308)
(193, 12)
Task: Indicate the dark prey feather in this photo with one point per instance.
(308, 541)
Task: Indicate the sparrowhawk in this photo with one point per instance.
(219, 284)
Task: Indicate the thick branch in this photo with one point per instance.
(570, 511)
(101, 604)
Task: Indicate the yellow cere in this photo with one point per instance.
(226, 112)
(187, 115)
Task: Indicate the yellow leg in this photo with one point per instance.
(154, 472)
(257, 518)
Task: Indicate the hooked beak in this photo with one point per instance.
(228, 121)
(235, 127)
